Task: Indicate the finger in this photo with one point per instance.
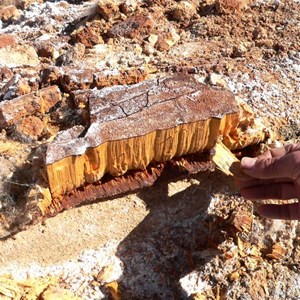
(278, 152)
(284, 212)
(255, 181)
(272, 153)
(275, 167)
(282, 191)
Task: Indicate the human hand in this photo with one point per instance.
(273, 175)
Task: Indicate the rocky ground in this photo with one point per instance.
(194, 237)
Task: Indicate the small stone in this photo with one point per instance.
(152, 39)
(5, 74)
(29, 129)
(234, 276)
(10, 13)
(259, 33)
(128, 7)
(16, 86)
(184, 11)
(216, 79)
(46, 49)
(167, 40)
(89, 35)
(138, 49)
(108, 9)
(239, 51)
(18, 56)
(278, 251)
(51, 75)
(148, 49)
(74, 79)
(7, 40)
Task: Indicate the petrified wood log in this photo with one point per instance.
(147, 123)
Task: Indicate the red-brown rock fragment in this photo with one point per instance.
(7, 40)
(278, 252)
(80, 99)
(90, 34)
(108, 9)
(74, 79)
(46, 49)
(137, 26)
(128, 7)
(51, 75)
(37, 102)
(167, 40)
(29, 129)
(21, 4)
(5, 74)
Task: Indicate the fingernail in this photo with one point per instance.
(248, 162)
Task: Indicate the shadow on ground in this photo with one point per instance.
(169, 243)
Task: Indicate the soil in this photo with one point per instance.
(194, 237)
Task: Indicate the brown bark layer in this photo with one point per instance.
(110, 186)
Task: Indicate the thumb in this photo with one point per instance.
(274, 167)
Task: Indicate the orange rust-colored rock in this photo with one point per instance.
(153, 121)
(167, 40)
(7, 40)
(5, 74)
(110, 186)
(108, 9)
(89, 35)
(29, 128)
(37, 102)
